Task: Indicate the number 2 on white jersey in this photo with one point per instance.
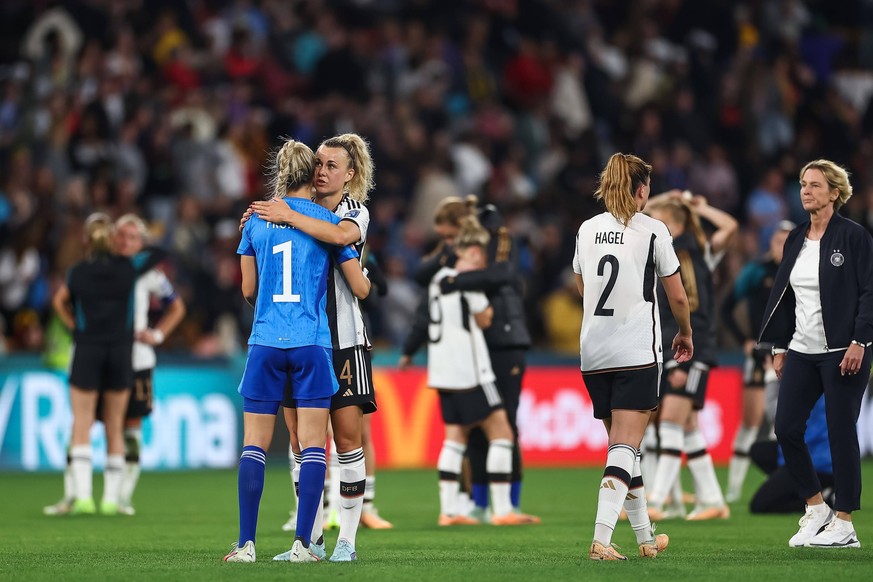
(610, 283)
(286, 296)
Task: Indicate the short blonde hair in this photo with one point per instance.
(136, 221)
(836, 176)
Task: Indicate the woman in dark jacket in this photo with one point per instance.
(820, 321)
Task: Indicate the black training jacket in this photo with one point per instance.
(845, 283)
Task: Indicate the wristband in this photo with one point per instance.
(158, 335)
(857, 343)
(776, 351)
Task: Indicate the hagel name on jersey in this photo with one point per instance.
(610, 238)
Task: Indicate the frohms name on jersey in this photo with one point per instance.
(273, 225)
(609, 238)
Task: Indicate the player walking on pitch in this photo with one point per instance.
(618, 256)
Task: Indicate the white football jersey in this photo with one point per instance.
(343, 311)
(151, 284)
(457, 355)
(620, 267)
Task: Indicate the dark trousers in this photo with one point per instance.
(804, 378)
(509, 366)
(777, 494)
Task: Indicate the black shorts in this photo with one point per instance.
(354, 372)
(753, 369)
(695, 385)
(468, 407)
(140, 403)
(102, 367)
(635, 389)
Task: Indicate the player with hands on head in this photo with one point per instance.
(684, 384)
(819, 320)
(620, 255)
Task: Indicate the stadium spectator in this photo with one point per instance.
(618, 255)
(819, 319)
(83, 94)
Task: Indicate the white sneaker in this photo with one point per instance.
(126, 509)
(62, 507)
(317, 549)
(299, 553)
(246, 553)
(810, 524)
(291, 524)
(839, 533)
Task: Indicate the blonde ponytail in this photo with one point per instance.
(453, 209)
(98, 227)
(680, 211)
(294, 168)
(360, 160)
(621, 177)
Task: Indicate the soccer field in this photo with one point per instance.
(186, 522)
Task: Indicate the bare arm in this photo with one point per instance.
(354, 276)
(682, 344)
(165, 326)
(278, 212)
(725, 224)
(580, 285)
(61, 305)
(484, 318)
(249, 269)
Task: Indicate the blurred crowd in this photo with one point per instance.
(170, 109)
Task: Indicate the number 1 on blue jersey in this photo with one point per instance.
(286, 296)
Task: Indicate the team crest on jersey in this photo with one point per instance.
(352, 213)
(837, 259)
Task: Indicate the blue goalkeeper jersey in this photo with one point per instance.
(293, 269)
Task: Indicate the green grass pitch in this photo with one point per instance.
(186, 522)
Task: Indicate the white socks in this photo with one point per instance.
(130, 477)
(333, 487)
(739, 465)
(649, 459)
(369, 492)
(112, 475)
(449, 467)
(669, 463)
(352, 478)
(636, 508)
(706, 485)
(613, 489)
(81, 467)
(498, 464)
